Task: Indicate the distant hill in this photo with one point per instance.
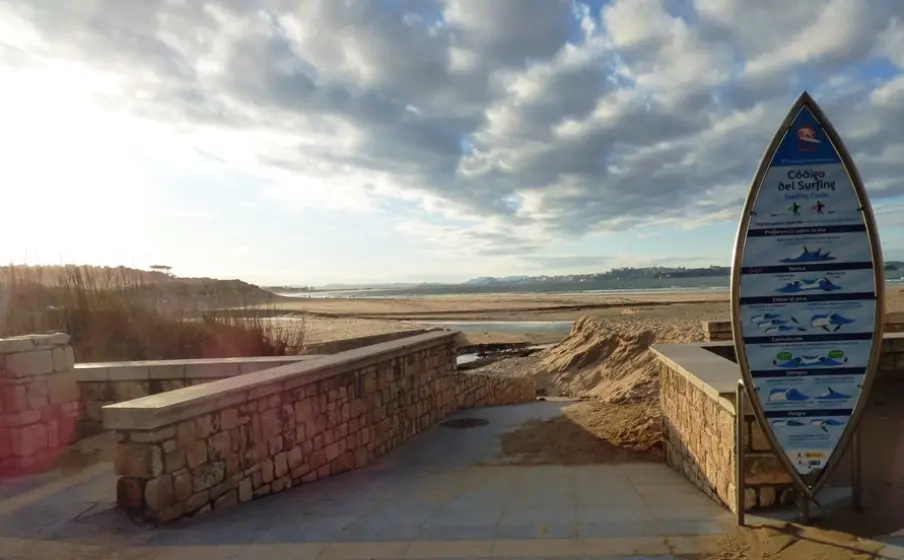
(625, 273)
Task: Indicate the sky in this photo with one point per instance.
(316, 141)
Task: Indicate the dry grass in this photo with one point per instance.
(126, 314)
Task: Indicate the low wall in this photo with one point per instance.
(38, 401)
(698, 385)
(214, 445)
(103, 383)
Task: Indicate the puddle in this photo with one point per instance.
(469, 357)
(516, 327)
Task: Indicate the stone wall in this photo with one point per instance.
(218, 444)
(38, 401)
(698, 430)
(697, 396)
(473, 390)
(103, 383)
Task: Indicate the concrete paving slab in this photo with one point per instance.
(434, 497)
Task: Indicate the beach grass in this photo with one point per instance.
(120, 314)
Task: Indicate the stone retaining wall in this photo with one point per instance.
(103, 383)
(38, 401)
(221, 443)
(697, 395)
(698, 429)
(698, 384)
(473, 390)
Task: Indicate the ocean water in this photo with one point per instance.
(613, 287)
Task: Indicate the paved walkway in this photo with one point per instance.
(428, 499)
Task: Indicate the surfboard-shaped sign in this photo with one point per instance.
(807, 295)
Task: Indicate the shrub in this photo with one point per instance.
(116, 314)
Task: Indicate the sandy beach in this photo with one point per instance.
(331, 319)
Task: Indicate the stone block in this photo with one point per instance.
(245, 492)
(764, 468)
(229, 418)
(197, 501)
(196, 453)
(174, 461)
(220, 445)
(27, 441)
(29, 364)
(767, 496)
(63, 359)
(208, 476)
(68, 430)
(5, 444)
(227, 500)
(13, 399)
(280, 465)
(758, 441)
(186, 433)
(36, 394)
(62, 389)
(205, 425)
(267, 472)
(152, 436)
(53, 434)
(129, 493)
(182, 486)
(159, 493)
(138, 460)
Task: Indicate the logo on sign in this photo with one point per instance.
(806, 139)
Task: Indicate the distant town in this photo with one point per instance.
(575, 281)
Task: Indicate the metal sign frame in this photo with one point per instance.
(810, 489)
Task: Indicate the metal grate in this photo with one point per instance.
(464, 423)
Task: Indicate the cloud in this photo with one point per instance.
(519, 124)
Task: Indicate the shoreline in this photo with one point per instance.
(333, 319)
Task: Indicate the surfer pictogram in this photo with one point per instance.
(795, 209)
(819, 207)
(807, 140)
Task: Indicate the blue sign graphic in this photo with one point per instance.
(804, 300)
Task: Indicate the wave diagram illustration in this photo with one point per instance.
(774, 323)
(787, 395)
(809, 285)
(830, 322)
(787, 360)
(823, 423)
(832, 394)
(808, 256)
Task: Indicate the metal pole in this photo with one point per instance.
(740, 428)
(856, 474)
(805, 508)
